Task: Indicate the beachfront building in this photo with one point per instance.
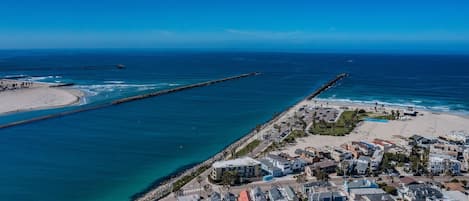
(384, 144)
(280, 162)
(460, 137)
(296, 164)
(376, 160)
(244, 168)
(419, 192)
(446, 149)
(269, 168)
(443, 164)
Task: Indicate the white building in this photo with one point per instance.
(465, 163)
(376, 160)
(362, 164)
(281, 163)
(244, 168)
(440, 164)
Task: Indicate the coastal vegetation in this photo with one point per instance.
(347, 121)
(247, 149)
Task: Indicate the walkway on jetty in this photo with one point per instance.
(165, 188)
(127, 99)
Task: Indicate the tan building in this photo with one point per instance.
(245, 168)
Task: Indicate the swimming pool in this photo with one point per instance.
(376, 120)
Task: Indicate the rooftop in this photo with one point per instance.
(367, 191)
(324, 164)
(246, 161)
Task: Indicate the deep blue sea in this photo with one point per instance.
(112, 153)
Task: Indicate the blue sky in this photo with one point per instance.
(321, 25)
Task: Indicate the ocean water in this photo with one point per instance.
(115, 152)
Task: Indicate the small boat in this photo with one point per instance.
(120, 66)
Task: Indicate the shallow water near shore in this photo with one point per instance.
(115, 152)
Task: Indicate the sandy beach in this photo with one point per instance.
(426, 123)
(37, 96)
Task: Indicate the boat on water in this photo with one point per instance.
(120, 66)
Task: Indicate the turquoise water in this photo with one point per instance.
(376, 120)
(115, 152)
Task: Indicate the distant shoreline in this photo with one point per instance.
(36, 96)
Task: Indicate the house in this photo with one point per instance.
(460, 137)
(362, 164)
(421, 141)
(228, 197)
(281, 163)
(316, 186)
(269, 167)
(215, 197)
(357, 194)
(384, 144)
(377, 197)
(376, 160)
(290, 194)
(308, 156)
(446, 149)
(296, 164)
(359, 184)
(328, 166)
(455, 195)
(276, 195)
(340, 154)
(328, 196)
(257, 194)
(245, 168)
(440, 164)
(419, 192)
(465, 163)
(244, 196)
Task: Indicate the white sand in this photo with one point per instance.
(430, 124)
(39, 97)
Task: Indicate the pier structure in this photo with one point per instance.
(125, 100)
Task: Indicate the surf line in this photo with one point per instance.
(128, 99)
